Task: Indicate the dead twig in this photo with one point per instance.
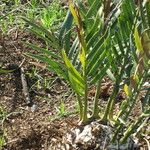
(25, 87)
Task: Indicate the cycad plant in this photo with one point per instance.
(84, 61)
(139, 73)
(100, 38)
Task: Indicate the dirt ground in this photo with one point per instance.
(23, 127)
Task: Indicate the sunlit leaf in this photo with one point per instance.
(127, 90)
(74, 12)
(72, 69)
(79, 89)
(138, 41)
(82, 57)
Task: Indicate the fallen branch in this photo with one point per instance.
(25, 87)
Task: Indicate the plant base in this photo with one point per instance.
(94, 136)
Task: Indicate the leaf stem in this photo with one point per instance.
(95, 108)
(110, 105)
(84, 119)
(80, 106)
